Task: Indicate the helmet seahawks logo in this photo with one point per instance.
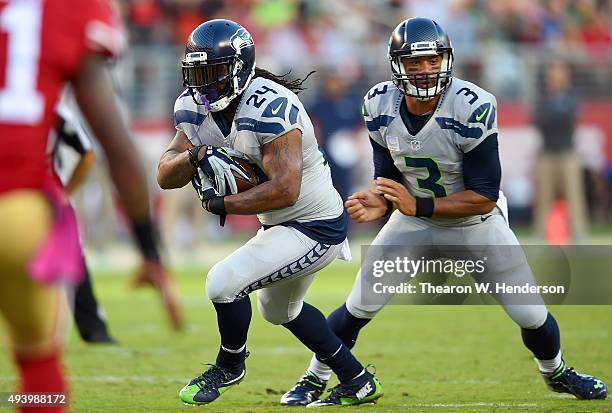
(241, 39)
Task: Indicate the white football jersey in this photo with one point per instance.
(266, 111)
(431, 160)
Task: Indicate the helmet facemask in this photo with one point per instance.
(213, 83)
(422, 86)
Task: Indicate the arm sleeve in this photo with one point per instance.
(383, 163)
(482, 169)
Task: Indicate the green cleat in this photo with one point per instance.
(363, 389)
(208, 386)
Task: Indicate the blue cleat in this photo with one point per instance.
(582, 386)
(307, 390)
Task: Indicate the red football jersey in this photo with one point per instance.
(42, 43)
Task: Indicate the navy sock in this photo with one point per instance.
(311, 328)
(345, 325)
(233, 320)
(544, 341)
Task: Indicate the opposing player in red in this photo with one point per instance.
(43, 45)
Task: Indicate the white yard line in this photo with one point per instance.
(112, 379)
(475, 404)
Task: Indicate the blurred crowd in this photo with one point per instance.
(348, 36)
(310, 23)
(497, 43)
(500, 45)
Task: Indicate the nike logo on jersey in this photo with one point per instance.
(483, 218)
(482, 115)
(275, 111)
(479, 115)
(363, 392)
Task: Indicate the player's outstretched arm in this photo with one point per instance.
(174, 169)
(282, 163)
(94, 92)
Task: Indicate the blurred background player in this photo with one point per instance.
(230, 102)
(558, 169)
(88, 314)
(45, 44)
(336, 118)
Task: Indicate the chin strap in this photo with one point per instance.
(205, 102)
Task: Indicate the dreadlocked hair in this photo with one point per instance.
(294, 85)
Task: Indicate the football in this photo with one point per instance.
(256, 174)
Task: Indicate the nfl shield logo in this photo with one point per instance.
(415, 145)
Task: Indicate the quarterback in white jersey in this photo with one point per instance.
(231, 106)
(430, 162)
(437, 172)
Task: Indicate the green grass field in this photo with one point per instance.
(430, 359)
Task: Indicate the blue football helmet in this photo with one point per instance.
(219, 63)
(414, 38)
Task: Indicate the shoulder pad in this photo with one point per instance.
(186, 111)
(472, 104)
(375, 97)
(265, 100)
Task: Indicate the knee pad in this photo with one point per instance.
(278, 313)
(529, 317)
(219, 288)
(359, 310)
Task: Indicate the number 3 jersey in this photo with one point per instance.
(267, 111)
(431, 160)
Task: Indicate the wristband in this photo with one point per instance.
(193, 155)
(389, 208)
(216, 205)
(424, 207)
(145, 235)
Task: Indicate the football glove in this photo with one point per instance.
(218, 165)
(206, 192)
(204, 188)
